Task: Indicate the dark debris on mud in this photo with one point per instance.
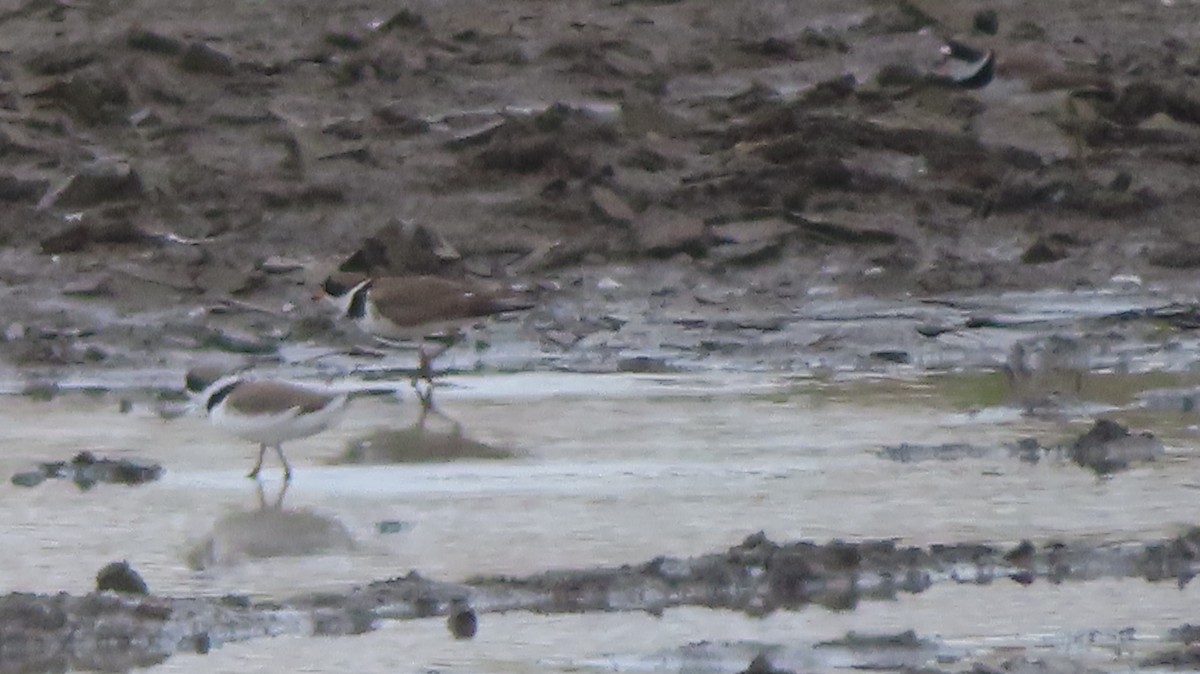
(755, 577)
(87, 470)
(1105, 448)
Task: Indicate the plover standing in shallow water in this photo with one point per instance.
(415, 308)
(267, 412)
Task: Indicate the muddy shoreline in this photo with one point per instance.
(115, 631)
(179, 183)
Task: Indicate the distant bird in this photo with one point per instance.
(978, 69)
(266, 412)
(415, 308)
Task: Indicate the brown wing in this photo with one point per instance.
(416, 300)
(269, 397)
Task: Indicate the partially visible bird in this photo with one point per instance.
(263, 411)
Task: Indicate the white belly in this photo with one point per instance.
(273, 429)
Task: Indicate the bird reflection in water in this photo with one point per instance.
(269, 531)
(434, 437)
(1046, 373)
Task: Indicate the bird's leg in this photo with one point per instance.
(262, 450)
(287, 469)
(278, 505)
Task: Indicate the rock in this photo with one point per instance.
(344, 38)
(462, 621)
(18, 189)
(1182, 255)
(92, 96)
(1045, 249)
(752, 231)
(745, 253)
(239, 342)
(97, 285)
(644, 365)
(120, 577)
(663, 233)
(279, 196)
(388, 527)
(202, 58)
(478, 135)
(986, 21)
(80, 235)
(749, 242)
(404, 247)
(892, 356)
(397, 117)
(761, 664)
(239, 112)
(608, 206)
(15, 331)
(61, 59)
(153, 41)
(561, 338)
(1108, 447)
(100, 182)
(277, 264)
(29, 478)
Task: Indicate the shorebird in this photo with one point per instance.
(415, 308)
(267, 412)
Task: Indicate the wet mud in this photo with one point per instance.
(810, 198)
(757, 577)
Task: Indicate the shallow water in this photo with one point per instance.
(610, 470)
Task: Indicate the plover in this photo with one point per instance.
(415, 308)
(267, 412)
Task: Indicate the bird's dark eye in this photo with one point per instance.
(332, 287)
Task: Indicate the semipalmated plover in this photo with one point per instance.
(415, 308)
(266, 412)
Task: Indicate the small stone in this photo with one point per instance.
(644, 365)
(152, 41)
(16, 188)
(608, 283)
(664, 233)
(753, 231)
(933, 330)
(745, 253)
(1045, 249)
(1121, 182)
(29, 478)
(892, 356)
(386, 527)
(14, 332)
(206, 59)
(277, 264)
(99, 285)
(99, 182)
(120, 577)
(145, 118)
(462, 621)
(611, 207)
(238, 342)
(344, 38)
(561, 338)
(986, 21)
